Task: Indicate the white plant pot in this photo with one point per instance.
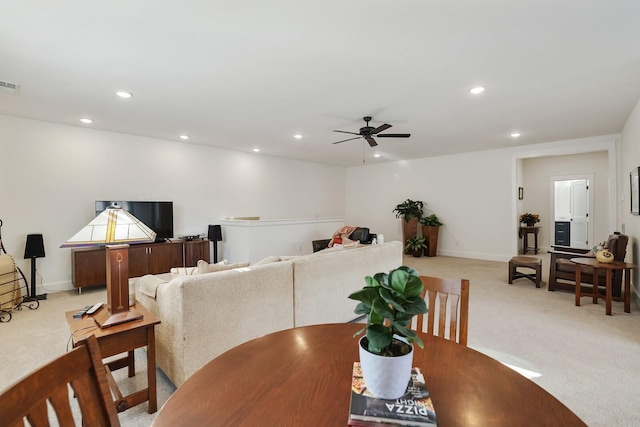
(386, 377)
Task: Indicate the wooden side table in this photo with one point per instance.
(524, 234)
(609, 269)
(123, 338)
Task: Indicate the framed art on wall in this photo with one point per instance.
(635, 191)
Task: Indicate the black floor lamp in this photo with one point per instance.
(33, 249)
(215, 235)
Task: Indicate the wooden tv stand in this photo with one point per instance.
(89, 265)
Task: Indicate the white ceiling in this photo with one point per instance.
(248, 74)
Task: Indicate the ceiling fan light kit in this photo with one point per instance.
(367, 132)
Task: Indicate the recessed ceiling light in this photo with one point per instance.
(477, 90)
(184, 137)
(297, 136)
(86, 121)
(376, 155)
(256, 150)
(515, 134)
(123, 94)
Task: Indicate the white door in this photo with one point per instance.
(579, 214)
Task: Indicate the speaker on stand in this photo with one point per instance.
(215, 235)
(34, 248)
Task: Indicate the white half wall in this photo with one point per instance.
(52, 175)
(254, 240)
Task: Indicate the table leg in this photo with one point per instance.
(131, 362)
(525, 242)
(595, 285)
(535, 239)
(151, 370)
(627, 290)
(608, 296)
(578, 279)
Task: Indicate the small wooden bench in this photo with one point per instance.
(525, 262)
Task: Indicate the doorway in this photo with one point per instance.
(571, 211)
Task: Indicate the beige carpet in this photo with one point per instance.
(587, 360)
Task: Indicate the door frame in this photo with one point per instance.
(552, 204)
(608, 143)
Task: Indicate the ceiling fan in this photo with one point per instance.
(368, 132)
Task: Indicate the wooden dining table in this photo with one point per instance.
(302, 377)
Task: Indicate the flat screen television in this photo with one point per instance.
(158, 216)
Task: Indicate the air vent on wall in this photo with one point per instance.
(9, 87)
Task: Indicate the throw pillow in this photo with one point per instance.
(205, 267)
(268, 260)
(183, 271)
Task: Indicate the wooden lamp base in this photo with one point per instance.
(117, 308)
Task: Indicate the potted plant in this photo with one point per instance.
(416, 245)
(411, 212)
(389, 302)
(529, 219)
(430, 228)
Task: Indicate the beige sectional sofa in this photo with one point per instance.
(204, 315)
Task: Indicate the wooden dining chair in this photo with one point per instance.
(449, 300)
(78, 373)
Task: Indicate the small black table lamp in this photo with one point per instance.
(33, 249)
(215, 235)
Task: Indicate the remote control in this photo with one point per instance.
(95, 308)
(80, 313)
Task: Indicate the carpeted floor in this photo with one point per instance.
(586, 359)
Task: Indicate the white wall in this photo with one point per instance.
(52, 174)
(537, 190)
(474, 195)
(630, 159)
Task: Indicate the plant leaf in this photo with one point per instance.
(379, 337)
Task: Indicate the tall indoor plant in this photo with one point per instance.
(389, 302)
(430, 229)
(411, 212)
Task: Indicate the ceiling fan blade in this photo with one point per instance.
(380, 128)
(344, 140)
(394, 135)
(372, 142)
(344, 131)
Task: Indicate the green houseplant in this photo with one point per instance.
(409, 209)
(430, 229)
(411, 212)
(389, 302)
(529, 219)
(416, 245)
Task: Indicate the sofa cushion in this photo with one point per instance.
(205, 267)
(268, 260)
(567, 266)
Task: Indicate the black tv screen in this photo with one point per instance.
(158, 216)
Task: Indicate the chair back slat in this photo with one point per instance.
(79, 372)
(450, 299)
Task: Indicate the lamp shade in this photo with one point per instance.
(34, 248)
(114, 225)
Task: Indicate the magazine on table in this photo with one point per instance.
(414, 408)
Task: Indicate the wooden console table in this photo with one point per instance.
(89, 265)
(123, 338)
(524, 234)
